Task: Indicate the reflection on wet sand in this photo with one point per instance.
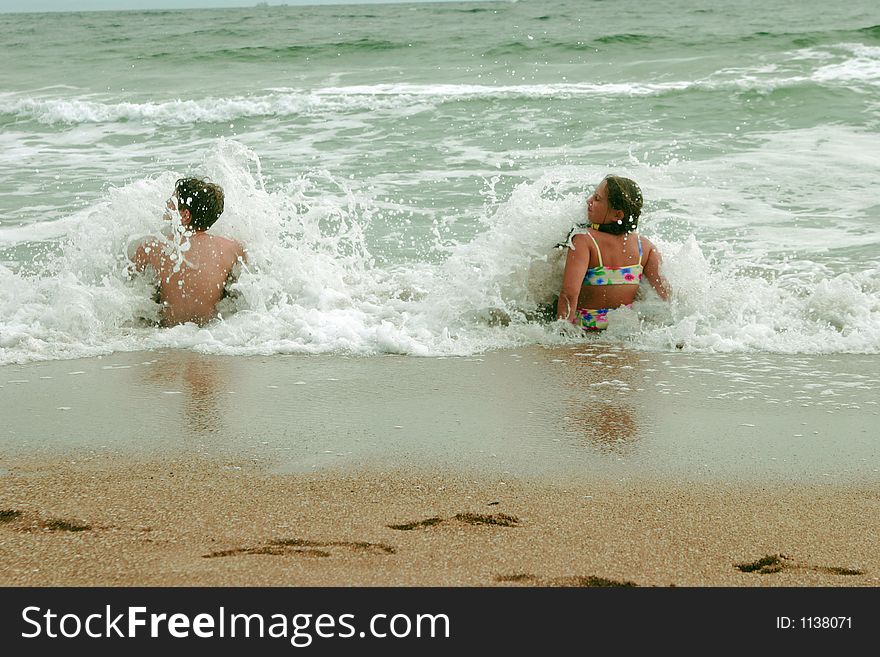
(202, 380)
(600, 408)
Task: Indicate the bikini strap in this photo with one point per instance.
(597, 248)
(640, 248)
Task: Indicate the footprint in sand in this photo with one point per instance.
(300, 547)
(9, 515)
(19, 521)
(579, 581)
(496, 519)
(775, 563)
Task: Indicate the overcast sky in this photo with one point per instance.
(93, 5)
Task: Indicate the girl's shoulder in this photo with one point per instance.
(647, 245)
(581, 240)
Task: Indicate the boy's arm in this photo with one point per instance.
(144, 254)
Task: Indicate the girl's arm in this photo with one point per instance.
(576, 263)
(651, 270)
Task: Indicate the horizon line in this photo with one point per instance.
(246, 5)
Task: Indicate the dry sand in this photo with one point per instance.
(121, 521)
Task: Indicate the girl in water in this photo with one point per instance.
(606, 263)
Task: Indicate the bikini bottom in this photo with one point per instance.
(591, 319)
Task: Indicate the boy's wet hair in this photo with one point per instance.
(203, 199)
(624, 195)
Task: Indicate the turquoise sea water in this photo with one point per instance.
(401, 172)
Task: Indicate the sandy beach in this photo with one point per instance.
(117, 522)
(175, 468)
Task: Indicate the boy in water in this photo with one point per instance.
(193, 267)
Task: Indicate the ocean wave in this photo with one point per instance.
(172, 112)
(313, 286)
(861, 68)
(631, 39)
(368, 45)
(647, 40)
(291, 51)
(547, 47)
(514, 48)
(337, 99)
(780, 39)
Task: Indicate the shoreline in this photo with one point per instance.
(558, 413)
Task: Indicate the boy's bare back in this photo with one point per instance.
(190, 292)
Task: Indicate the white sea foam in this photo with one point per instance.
(861, 68)
(846, 64)
(38, 231)
(331, 100)
(313, 286)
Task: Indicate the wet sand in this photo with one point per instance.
(137, 469)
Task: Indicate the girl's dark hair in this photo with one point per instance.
(623, 195)
(203, 199)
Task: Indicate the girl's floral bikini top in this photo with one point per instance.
(601, 275)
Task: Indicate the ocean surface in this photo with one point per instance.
(400, 173)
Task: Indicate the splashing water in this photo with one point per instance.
(314, 285)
